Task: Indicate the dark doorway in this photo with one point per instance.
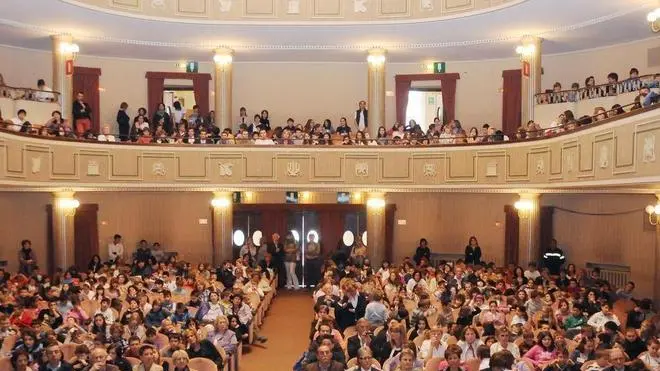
(86, 237)
(511, 235)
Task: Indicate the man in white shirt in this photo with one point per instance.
(106, 311)
(115, 250)
(598, 320)
(362, 116)
(44, 95)
(504, 344)
(532, 272)
(18, 121)
(433, 347)
(106, 136)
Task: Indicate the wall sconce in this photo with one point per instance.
(523, 206)
(305, 196)
(356, 197)
(68, 205)
(525, 50)
(654, 213)
(70, 48)
(376, 59)
(654, 20)
(376, 203)
(223, 59)
(220, 203)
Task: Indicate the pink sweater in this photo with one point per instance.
(538, 355)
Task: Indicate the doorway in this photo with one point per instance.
(178, 90)
(424, 105)
(323, 224)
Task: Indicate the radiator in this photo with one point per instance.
(616, 275)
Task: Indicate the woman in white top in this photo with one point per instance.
(651, 357)
(177, 113)
(414, 281)
(469, 343)
(215, 308)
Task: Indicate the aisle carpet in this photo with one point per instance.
(287, 327)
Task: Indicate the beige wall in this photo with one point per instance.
(322, 90)
(618, 239)
(447, 220)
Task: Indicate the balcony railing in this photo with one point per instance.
(35, 95)
(598, 91)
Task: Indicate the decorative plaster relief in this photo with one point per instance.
(569, 162)
(649, 149)
(93, 168)
(491, 168)
(293, 168)
(362, 169)
(293, 7)
(426, 4)
(225, 6)
(226, 168)
(157, 3)
(430, 170)
(36, 165)
(540, 167)
(158, 168)
(604, 159)
(360, 6)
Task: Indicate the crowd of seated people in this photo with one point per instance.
(131, 313)
(456, 316)
(176, 126)
(591, 90)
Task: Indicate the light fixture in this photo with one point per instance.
(68, 205)
(654, 213)
(376, 59)
(364, 238)
(523, 205)
(238, 237)
(654, 20)
(223, 59)
(220, 202)
(525, 50)
(313, 236)
(376, 203)
(348, 238)
(256, 238)
(296, 235)
(70, 48)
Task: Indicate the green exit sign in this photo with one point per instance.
(439, 67)
(192, 66)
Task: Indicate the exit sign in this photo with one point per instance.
(439, 67)
(192, 66)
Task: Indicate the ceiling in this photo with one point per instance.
(565, 25)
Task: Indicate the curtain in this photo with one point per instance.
(389, 231)
(86, 235)
(332, 230)
(511, 101)
(201, 88)
(86, 80)
(274, 221)
(448, 97)
(155, 87)
(402, 88)
(511, 235)
(50, 242)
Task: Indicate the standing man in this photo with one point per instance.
(123, 122)
(276, 249)
(82, 115)
(362, 116)
(554, 258)
(115, 250)
(26, 259)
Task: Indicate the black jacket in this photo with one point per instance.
(347, 315)
(64, 366)
(422, 252)
(123, 121)
(352, 346)
(79, 113)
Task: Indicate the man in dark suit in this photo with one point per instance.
(324, 361)
(54, 359)
(362, 116)
(276, 249)
(359, 341)
(617, 361)
(351, 307)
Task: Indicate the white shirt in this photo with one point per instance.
(361, 123)
(428, 351)
(467, 352)
(653, 363)
(532, 275)
(43, 95)
(178, 115)
(18, 124)
(598, 320)
(263, 142)
(115, 251)
(106, 138)
(215, 310)
(511, 347)
(108, 315)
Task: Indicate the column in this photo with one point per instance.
(223, 59)
(529, 231)
(376, 90)
(64, 210)
(530, 56)
(64, 51)
(223, 225)
(656, 280)
(375, 228)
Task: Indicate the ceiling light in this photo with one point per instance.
(654, 20)
(523, 205)
(223, 59)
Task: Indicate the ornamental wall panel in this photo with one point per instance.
(328, 8)
(394, 8)
(620, 152)
(130, 4)
(260, 8)
(194, 8)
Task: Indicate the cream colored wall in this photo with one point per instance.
(447, 220)
(23, 216)
(322, 90)
(619, 239)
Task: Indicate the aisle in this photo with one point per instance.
(287, 328)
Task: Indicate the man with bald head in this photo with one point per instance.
(276, 249)
(618, 361)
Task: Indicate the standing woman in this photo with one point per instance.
(422, 251)
(264, 120)
(473, 252)
(161, 113)
(313, 261)
(178, 113)
(290, 260)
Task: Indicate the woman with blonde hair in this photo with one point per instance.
(390, 343)
(180, 361)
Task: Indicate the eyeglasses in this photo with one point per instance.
(366, 357)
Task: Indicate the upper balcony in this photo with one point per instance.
(616, 154)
